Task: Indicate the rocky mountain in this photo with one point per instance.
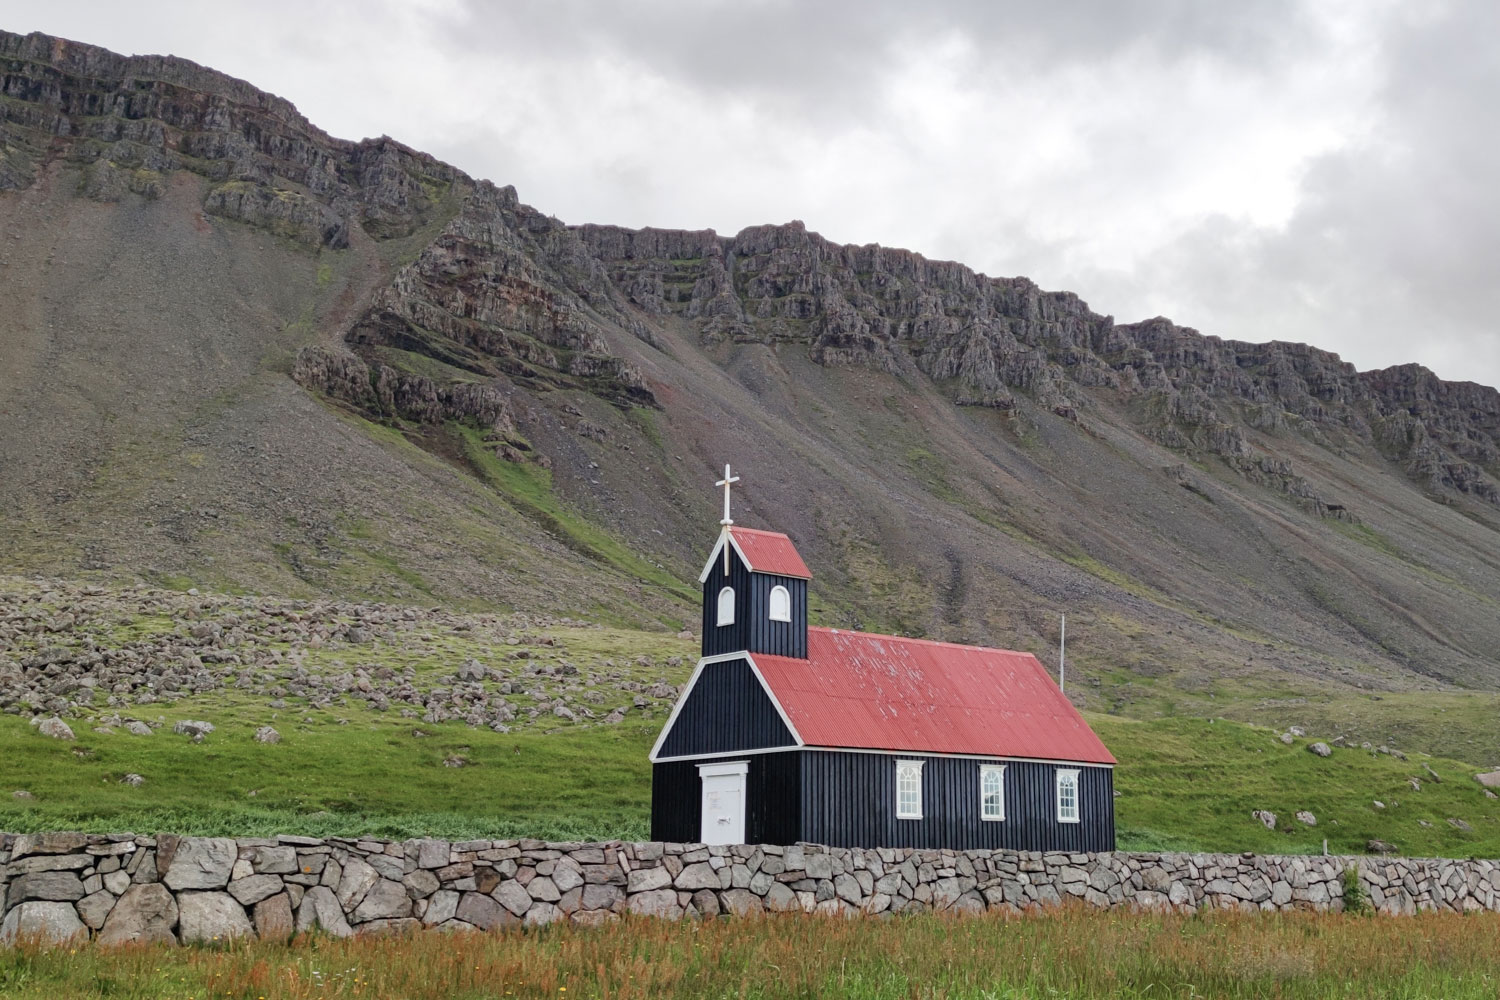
(246, 355)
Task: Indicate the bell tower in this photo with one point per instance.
(754, 590)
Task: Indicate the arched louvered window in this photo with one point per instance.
(726, 606)
(781, 604)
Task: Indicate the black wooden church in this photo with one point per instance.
(789, 733)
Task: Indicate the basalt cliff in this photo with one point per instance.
(241, 353)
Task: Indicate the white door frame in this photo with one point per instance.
(735, 832)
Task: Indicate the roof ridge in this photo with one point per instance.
(905, 638)
(759, 531)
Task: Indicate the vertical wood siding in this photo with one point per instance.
(676, 801)
(726, 638)
(753, 629)
(771, 807)
(728, 710)
(849, 800)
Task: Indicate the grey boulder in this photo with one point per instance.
(51, 886)
(660, 903)
(249, 891)
(211, 916)
(201, 863)
(320, 908)
(145, 913)
(386, 900)
(192, 727)
(44, 920)
(95, 907)
(55, 728)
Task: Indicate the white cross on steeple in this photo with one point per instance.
(725, 482)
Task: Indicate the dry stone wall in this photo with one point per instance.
(122, 887)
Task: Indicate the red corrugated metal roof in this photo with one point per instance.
(880, 692)
(770, 552)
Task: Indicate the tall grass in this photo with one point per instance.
(1062, 953)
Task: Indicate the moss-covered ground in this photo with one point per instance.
(1184, 784)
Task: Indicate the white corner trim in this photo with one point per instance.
(687, 691)
(719, 770)
(785, 719)
(682, 698)
(708, 567)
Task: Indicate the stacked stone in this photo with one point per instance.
(1406, 885)
(122, 887)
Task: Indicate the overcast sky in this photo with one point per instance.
(1259, 169)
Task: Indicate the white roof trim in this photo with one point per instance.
(911, 755)
(727, 754)
(682, 698)
(719, 547)
(688, 691)
(785, 719)
(960, 756)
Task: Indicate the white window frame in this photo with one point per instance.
(985, 771)
(1068, 776)
(726, 607)
(909, 769)
(786, 604)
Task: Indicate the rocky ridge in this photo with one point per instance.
(504, 292)
(129, 123)
(992, 337)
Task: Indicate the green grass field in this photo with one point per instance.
(1185, 784)
(1065, 953)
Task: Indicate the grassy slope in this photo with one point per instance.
(528, 488)
(1192, 784)
(1185, 783)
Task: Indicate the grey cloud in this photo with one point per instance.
(838, 54)
(1392, 252)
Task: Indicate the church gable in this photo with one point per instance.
(754, 590)
(725, 710)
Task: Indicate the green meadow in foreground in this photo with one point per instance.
(1063, 953)
(1185, 784)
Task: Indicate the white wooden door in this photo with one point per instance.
(723, 802)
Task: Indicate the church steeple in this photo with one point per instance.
(754, 590)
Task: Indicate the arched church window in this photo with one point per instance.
(726, 606)
(781, 604)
